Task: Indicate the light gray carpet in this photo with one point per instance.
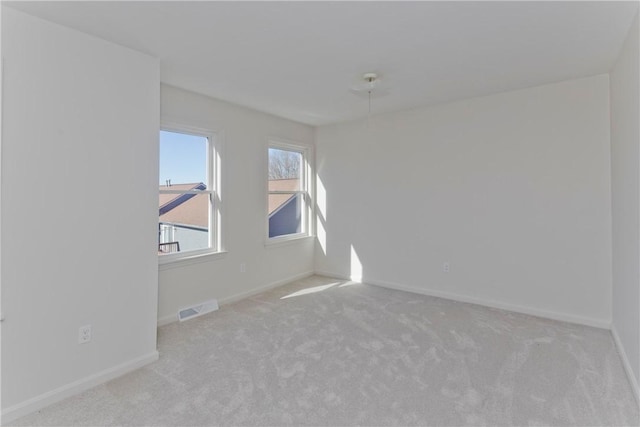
(353, 354)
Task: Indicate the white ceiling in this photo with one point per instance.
(299, 59)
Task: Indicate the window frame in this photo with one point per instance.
(306, 190)
(214, 178)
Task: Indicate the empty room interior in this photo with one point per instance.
(320, 213)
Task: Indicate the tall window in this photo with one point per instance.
(288, 192)
(189, 199)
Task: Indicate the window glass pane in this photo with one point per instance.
(284, 170)
(286, 217)
(183, 160)
(183, 223)
(184, 218)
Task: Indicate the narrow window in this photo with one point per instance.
(188, 195)
(288, 193)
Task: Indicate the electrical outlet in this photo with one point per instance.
(243, 267)
(84, 334)
(445, 267)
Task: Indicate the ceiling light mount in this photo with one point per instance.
(371, 80)
(368, 87)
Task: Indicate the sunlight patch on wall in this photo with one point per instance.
(321, 235)
(356, 266)
(321, 215)
(321, 198)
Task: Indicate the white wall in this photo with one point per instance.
(244, 186)
(625, 183)
(1, 133)
(513, 190)
(79, 210)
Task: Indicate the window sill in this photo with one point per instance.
(288, 240)
(169, 263)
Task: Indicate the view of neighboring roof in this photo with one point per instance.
(184, 209)
(194, 210)
(166, 198)
(277, 200)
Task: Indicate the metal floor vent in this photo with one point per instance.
(197, 310)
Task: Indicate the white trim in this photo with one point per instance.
(264, 288)
(234, 298)
(168, 319)
(215, 144)
(2, 74)
(587, 321)
(34, 404)
(286, 239)
(187, 255)
(307, 184)
(1, 124)
(633, 382)
(219, 180)
(197, 258)
(176, 126)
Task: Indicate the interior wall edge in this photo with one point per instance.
(635, 387)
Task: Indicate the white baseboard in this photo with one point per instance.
(597, 323)
(34, 404)
(168, 319)
(233, 298)
(334, 275)
(625, 362)
(265, 288)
